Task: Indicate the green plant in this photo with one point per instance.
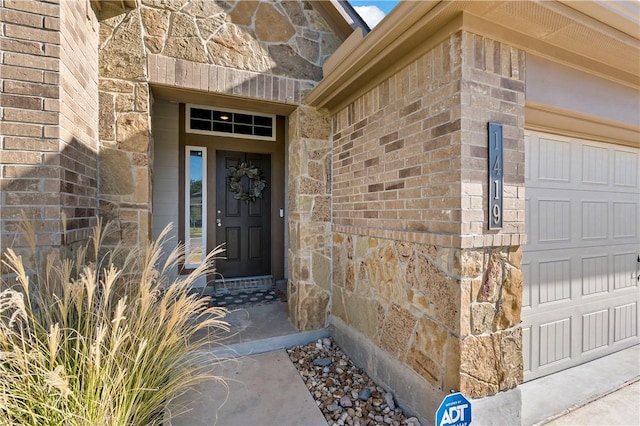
(95, 336)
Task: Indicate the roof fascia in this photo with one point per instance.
(334, 17)
(408, 31)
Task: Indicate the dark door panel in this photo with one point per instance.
(243, 226)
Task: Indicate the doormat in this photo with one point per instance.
(243, 298)
(246, 284)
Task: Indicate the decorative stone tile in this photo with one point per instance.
(510, 306)
(271, 26)
(482, 316)
(155, 21)
(123, 57)
(396, 331)
(490, 363)
(132, 132)
(243, 12)
(312, 311)
(321, 271)
(490, 289)
(115, 173)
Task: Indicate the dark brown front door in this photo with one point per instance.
(243, 225)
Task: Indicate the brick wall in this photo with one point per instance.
(47, 156)
(29, 104)
(394, 147)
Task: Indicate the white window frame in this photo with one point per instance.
(187, 204)
(230, 134)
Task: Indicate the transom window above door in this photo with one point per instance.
(228, 122)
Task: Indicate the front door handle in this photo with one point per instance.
(219, 222)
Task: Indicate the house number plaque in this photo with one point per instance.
(496, 176)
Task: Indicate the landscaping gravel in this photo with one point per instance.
(344, 393)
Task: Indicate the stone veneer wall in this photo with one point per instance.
(415, 270)
(48, 117)
(262, 50)
(309, 218)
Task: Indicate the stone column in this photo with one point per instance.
(309, 202)
(125, 128)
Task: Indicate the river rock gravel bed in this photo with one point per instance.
(344, 392)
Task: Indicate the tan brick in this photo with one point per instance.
(20, 157)
(24, 102)
(30, 144)
(19, 129)
(21, 46)
(34, 34)
(30, 116)
(31, 61)
(19, 73)
(36, 7)
(52, 23)
(31, 88)
(21, 18)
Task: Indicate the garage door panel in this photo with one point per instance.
(595, 275)
(595, 165)
(625, 266)
(595, 330)
(626, 322)
(624, 223)
(553, 224)
(625, 168)
(582, 220)
(555, 341)
(594, 220)
(580, 263)
(555, 280)
(557, 164)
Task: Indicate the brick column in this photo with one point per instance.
(491, 339)
(309, 191)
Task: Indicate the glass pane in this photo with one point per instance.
(262, 121)
(243, 118)
(195, 241)
(200, 125)
(222, 127)
(221, 116)
(203, 114)
(243, 130)
(263, 131)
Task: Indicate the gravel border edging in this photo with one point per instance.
(344, 393)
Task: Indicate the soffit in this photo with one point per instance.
(109, 8)
(178, 95)
(550, 29)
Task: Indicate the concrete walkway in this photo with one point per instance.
(264, 388)
(621, 407)
(557, 394)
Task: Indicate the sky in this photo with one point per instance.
(372, 11)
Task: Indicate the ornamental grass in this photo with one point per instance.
(95, 336)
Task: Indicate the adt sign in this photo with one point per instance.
(455, 410)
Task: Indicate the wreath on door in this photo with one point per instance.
(257, 184)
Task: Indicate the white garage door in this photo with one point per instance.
(581, 261)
